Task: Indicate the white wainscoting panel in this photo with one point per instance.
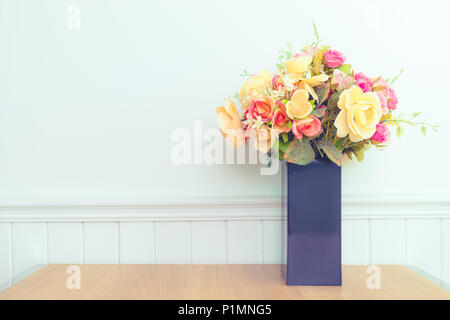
(5, 255)
(424, 245)
(244, 242)
(216, 232)
(388, 241)
(137, 242)
(446, 252)
(271, 236)
(29, 246)
(355, 241)
(173, 242)
(101, 242)
(209, 242)
(65, 242)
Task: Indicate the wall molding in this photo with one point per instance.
(207, 208)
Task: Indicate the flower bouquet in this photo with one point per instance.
(314, 112)
(316, 104)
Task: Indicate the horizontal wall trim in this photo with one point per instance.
(237, 208)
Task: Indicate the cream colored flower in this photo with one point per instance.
(299, 107)
(254, 87)
(298, 66)
(310, 83)
(265, 138)
(359, 115)
(297, 69)
(230, 123)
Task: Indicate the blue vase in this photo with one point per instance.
(312, 224)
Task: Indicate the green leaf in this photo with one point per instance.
(350, 155)
(400, 131)
(346, 68)
(333, 101)
(424, 130)
(322, 92)
(299, 152)
(285, 138)
(415, 114)
(319, 113)
(332, 153)
(359, 154)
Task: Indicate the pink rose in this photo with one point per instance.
(383, 103)
(334, 59)
(263, 107)
(364, 82)
(343, 80)
(309, 127)
(277, 83)
(392, 99)
(381, 87)
(381, 135)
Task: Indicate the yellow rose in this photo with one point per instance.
(298, 66)
(299, 107)
(254, 87)
(359, 115)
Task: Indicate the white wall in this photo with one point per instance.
(86, 115)
(89, 112)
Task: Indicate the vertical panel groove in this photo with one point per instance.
(154, 242)
(226, 243)
(261, 240)
(47, 243)
(83, 243)
(118, 241)
(441, 229)
(406, 242)
(190, 242)
(11, 254)
(369, 224)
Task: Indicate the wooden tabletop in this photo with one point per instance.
(214, 282)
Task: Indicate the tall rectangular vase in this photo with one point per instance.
(312, 224)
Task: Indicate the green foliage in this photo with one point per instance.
(319, 113)
(400, 131)
(346, 68)
(333, 101)
(390, 83)
(322, 92)
(360, 148)
(409, 119)
(317, 39)
(299, 152)
(245, 73)
(424, 130)
(331, 151)
(284, 54)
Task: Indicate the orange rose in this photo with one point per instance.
(262, 107)
(280, 120)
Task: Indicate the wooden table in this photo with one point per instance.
(214, 282)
